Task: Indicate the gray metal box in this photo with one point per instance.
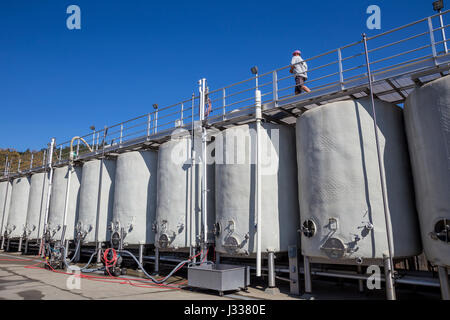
(219, 277)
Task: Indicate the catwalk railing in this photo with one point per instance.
(417, 46)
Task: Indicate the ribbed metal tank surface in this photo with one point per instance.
(178, 212)
(58, 200)
(427, 118)
(18, 209)
(135, 196)
(36, 205)
(5, 200)
(235, 189)
(341, 204)
(96, 198)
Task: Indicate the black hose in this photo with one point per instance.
(149, 276)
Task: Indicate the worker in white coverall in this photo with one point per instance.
(299, 68)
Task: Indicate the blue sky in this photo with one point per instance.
(56, 82)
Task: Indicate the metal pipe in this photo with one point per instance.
(141, 256)
(390, 289)
(271, 269)
(192, 209)
(360, 281)
(202, 90)
(99, 196)
(307, 272)
(156, 270)
(66, 246)
(217, 258)
(99, 253)
(66, 201)
(387, 215)
(20, 244)
(6, 199)
(49, 192)
(41, 206)
(258, 184)
(443, 279)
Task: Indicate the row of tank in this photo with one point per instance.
(322, 179)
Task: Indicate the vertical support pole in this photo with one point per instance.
(49, 192)
(7, 244)
(444, 38)
(2, 233)
(31, 161)
(192, 183)
(217, 258)
(360, 281)
(66, 201)
(141, 257)
(275, 88)
(307, 272)
(432, 40)
(100, 187)
(390, 289)
(20, 244)
(99, 253)
(18, 166)
(26, 246)
(443, 279)
(156, 270)
(258, 185)
(60, 153)
(341, 70)
(44, 157)
(387, 214)
(202, 91)
(293, 271)
(78, 147)
(271, 269)
(66, 246)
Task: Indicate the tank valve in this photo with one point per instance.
(359, 260)
(369, 226)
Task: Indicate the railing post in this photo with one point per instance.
(121, 133)
(156, 121)
(93, 139)
(60, 153)
(18, 166)
(31, 161)
(432, 41)
(341, 70)
(275, 88)
(224, 103)
(6, 165)
(44, 157)
(182, 110)
(78, 147)
(149, 119)
(444, 38)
